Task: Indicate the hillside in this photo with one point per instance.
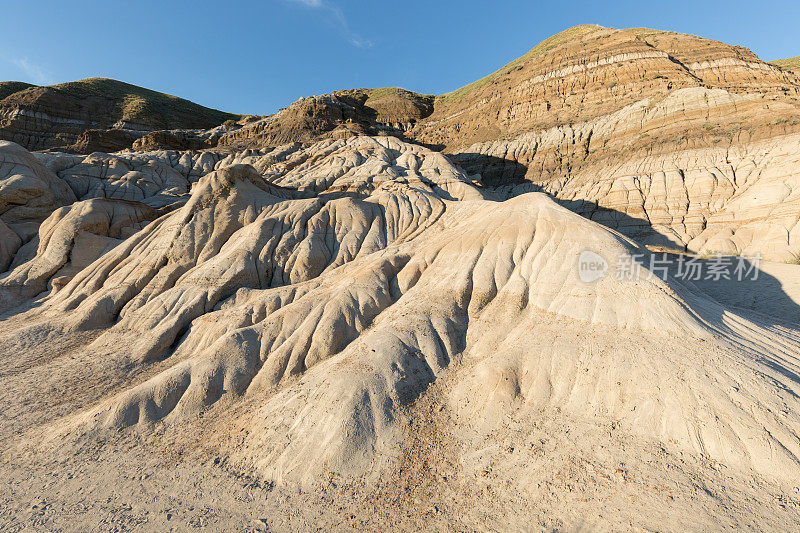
(100, 114)
(387, 110)
(95, 114)
(564, 37)
(587, 72)
(792, 63)
(672, 139)
(138, 105)
(9, 87)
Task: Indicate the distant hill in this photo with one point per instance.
(72, 116)
(143, 106)
(11, 87)
(339, 114)
(791, 63)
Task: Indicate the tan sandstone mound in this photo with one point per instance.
(29, 192)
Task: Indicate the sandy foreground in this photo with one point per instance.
(532, 471)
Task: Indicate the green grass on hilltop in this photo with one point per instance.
(387, 97)
(382, 93)
(791, 63)
(138, 104)
(542, 48)
(644, 33)
(8, 88)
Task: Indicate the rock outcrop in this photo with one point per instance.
(68, 241)
(588, 72)
(732, 195)
(672, 139)
(29, 193)
(338, 115)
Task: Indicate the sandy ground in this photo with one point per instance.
(533, 471)
(531, 478)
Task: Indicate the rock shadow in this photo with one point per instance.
(761, 294)
(508, 178)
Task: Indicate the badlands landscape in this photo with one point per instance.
(370, 309)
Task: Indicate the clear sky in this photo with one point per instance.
(255, 56)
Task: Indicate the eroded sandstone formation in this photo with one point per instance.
(339, 115)
(734, 196)
(381, 291)
(673, 139)
(328, 287)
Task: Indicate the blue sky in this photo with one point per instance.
(251, 56)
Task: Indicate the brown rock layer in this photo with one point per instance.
(588, 72)
(338, 115)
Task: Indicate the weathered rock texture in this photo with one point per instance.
(29, 193)
(732, 196)
(308, 297)
(316, 309)
(588, 72)
(338, 115)
(672, 139)
(592, 116)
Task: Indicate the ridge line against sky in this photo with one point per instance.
(256, 56)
